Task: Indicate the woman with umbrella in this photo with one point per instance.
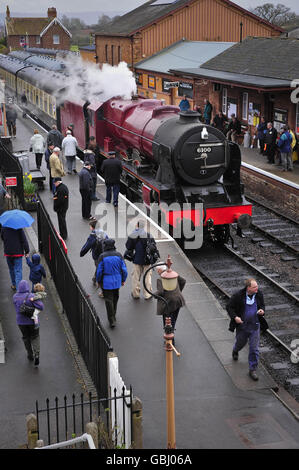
(15, 242)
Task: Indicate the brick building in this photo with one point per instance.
(155, 81)
(46, 32)
(157, 24)
(257, 77)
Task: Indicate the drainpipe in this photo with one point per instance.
(241, 31)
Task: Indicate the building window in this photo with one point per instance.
(37, 40)
(22, 41)
(56, 39)
(112, 55)
(139, 78)
(185, 88)
(224, 101)
(151, 82)
(245, 107)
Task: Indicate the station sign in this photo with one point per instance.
(11, 181)
(167, 85)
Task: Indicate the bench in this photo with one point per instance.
(38, 178)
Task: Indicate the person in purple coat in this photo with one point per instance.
(30, 334)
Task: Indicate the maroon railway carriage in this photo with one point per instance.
(168, 157)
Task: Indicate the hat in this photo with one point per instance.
(56, 179)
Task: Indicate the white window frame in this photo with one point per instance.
(37, 40)
(224, 101)
(245, 106)
(56, 39)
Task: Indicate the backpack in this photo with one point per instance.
(98, 246)
(151, 251)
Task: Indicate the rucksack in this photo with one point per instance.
(98, 246)
(151, 251)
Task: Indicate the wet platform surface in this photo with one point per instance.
(217, 405)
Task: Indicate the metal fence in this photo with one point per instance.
(67, 419)
(11, 167)
(92, 340)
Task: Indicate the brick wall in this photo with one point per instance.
(47, 38)
(106, 45)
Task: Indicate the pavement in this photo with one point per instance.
(217, 405)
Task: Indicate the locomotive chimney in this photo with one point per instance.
(189, 116)
(52, 13)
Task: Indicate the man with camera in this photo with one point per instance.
(137, 253)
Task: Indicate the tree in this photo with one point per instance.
(276, 14)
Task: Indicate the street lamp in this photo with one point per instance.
(169, 282)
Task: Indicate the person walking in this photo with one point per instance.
(234, 129)
(3, 195)
(270, 142)
(89, 157)
(174, 298)
(184, 104)
(112, 169)
(11, 118)
(111, 275)
(61, 204)
(24, 104)
(136, 243)
(30, 333)
(56, 165)
(48, 153)
(69, 146)
(37, 271)
(207, 112)
(285, 146)
(94, 147)
(37, 146)
(95, 244)
(246, 309)
(15, 246)
(261, 130)
(54, 137)
(86, 188)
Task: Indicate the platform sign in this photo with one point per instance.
(11, 181)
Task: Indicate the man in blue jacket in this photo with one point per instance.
(184, 104)
(285, 146)
(15, 246)
(111, 275)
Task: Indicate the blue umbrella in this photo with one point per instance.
(16, 219)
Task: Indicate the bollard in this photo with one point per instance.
(32, 434)
(137, 428)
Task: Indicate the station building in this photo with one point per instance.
(155, 81)
(254, 78)
(46, 32)
(157, 24)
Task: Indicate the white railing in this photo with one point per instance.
(84, 438)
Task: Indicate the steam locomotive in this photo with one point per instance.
(168, 156)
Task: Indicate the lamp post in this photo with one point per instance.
(169, 282)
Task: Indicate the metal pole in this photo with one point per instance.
(168, 336)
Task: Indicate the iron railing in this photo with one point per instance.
(92, 340)
(63, 421)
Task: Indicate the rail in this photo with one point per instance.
(91, 338)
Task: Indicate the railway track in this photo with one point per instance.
(224, 269)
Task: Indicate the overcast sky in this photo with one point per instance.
(41, 6)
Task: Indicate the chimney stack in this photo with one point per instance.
(52, 13)
(7, 12)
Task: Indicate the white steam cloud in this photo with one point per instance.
(87, 82)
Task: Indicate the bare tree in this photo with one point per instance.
(276, 14)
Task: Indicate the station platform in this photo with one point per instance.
(251, 156)
(217, 405)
